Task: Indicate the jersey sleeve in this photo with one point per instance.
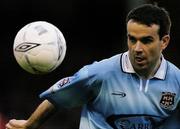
(73, 91)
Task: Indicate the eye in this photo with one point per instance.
(147, 40)
(132, 39)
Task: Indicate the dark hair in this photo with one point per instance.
(149, 14)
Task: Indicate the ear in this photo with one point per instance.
(165, 41)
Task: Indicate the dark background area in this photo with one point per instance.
(93, 30)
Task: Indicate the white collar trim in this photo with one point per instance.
(127, 66)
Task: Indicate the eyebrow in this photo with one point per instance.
(144, 37)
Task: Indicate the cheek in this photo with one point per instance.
(154, 53)
(130, 46)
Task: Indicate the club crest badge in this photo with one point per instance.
(167, 100)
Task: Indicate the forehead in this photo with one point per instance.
(141, 30)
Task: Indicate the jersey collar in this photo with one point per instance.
(127, 66)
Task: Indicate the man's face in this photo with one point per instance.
(145, 46)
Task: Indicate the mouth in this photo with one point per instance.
(139, 60)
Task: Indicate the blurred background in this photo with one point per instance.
(94, 30)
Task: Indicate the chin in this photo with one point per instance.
(140, 68)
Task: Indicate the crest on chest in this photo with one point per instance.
(167, 100)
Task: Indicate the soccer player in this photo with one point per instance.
(137, 89)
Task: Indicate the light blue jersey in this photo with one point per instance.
(115, 97)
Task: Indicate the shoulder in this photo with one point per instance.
(173, 72)
(105, 65)
(172, 69)
(102, 67)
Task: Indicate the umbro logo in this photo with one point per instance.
(26, 46)
(118, 93)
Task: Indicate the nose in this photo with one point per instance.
(138, 47)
